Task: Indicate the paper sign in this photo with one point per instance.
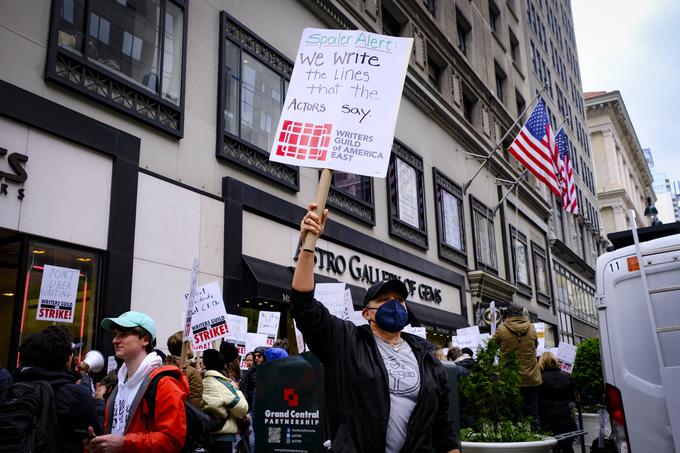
(347, 306)
(255, 340)
(208, 318)
(332, 296)
(540, 333)
(341, 106)
(358, 318)
(58, 290)
(111, 364)
(474, 330)
(268, 324)
(566, 353)
(467, 341)
(302, 347)
(204, 346)
(417, 331)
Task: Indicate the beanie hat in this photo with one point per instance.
(213, 360)
(229, 351)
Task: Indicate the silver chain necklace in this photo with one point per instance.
(394, 346)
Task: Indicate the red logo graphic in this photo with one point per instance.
(292, 398)
(304, 140)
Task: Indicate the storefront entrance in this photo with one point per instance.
(22, 263)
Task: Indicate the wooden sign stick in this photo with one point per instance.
(320, 200)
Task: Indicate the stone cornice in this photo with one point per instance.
(485, 284)
(613, 101)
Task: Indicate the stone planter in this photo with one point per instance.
(540, 446)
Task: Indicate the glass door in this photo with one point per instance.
(10, 253)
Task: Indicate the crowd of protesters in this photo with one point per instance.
(145, 405)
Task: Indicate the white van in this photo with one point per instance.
(638, 301)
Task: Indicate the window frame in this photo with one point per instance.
(477, 207)
(538, 253)
(76, 72)
(397, 227)
(515, 235)
(229, 147)
(494, 16)
(446, 251)
(350, 205)
(501, 79)
(463, 29)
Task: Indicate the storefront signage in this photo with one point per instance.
(18, 174)
(369, 274)
(58, 290)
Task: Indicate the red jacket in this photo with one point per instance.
(165, 430)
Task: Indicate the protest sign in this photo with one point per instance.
(342, 102)
(417, 331)
(332, 296)
(467, 341)
(358, 319)
(255, 340)
(474, 330)
(111, 364)
(58, 289)
(494, 319)
(189, 301)
(566, 353)
(208, 318)
(268, 324)
(288, 409)
(299, 339)
(540, 333)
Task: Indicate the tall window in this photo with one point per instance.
(450, 219)
(469, 105)
(113, 49)
(253, 82)
(520, 103)
(541, 278)
(353, 195)
(406, 196)
(463, 29)
(494, 16)
(391, 26)
(514, 46)
(484, 236)
(500, 82)
(431, 6)
(520, 258)
(434, 72)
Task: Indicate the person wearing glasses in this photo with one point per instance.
(385, 389)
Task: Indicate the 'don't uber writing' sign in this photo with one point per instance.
(58, 290)
(342, 101)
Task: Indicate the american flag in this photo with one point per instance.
(534, 147)
(569, 199)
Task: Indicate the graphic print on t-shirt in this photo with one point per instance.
(403, 376)
(120, 415)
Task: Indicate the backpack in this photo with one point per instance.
(28, 417)
(200, 425)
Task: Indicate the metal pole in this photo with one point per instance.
(500, 142)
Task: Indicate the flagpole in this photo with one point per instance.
(466, 186)
(512, 187)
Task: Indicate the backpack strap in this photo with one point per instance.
(150, 394)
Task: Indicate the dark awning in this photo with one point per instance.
(266, 280)
(441, 320)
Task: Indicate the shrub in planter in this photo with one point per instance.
(490, 399)
(587, 374)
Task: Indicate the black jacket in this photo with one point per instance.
(73, 403)
(357, 392)
(554, 396)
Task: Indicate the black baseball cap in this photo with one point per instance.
(383, 287)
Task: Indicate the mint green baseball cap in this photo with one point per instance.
(131, 319)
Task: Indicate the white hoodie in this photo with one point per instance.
(127, 390)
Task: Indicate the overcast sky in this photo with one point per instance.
(633, 46)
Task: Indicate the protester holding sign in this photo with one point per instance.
(518, 335)
(192, 374)
(379, 381)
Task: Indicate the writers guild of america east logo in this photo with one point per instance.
(290, 397)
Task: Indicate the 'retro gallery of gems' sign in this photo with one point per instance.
(339, 265)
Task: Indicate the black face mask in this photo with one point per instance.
(391, 316)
